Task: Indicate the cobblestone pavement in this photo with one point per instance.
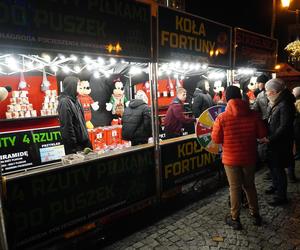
(201, 225)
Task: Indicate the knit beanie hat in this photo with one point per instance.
(262, 78)
(275, 84)
(233, 92)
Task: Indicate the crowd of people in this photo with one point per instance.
(266, 131)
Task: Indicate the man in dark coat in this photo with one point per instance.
(73, 130)
(201, 98)
(175, 118)
(280, 138)
(136, 120)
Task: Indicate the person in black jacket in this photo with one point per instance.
(72, 123)
(280, 139)
(136, 120)
(201, 98)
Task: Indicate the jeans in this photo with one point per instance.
(241, 177)
(279, 179)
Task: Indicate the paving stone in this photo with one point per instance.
(193, 226)
(138, 245)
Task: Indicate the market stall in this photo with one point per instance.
(47, 196)
(190, 48)
(254, 54)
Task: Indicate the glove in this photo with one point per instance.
(109, 106)
(95, 105)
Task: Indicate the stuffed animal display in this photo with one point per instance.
(87, 102)
(117, 100)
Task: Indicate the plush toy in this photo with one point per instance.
(45, 83)
(117, 100)
(87, 102)
(23, 85)
(219, 96)
(4, 92)
(251, 88)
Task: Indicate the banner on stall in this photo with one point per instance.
(189, 162)
(121, 27)
(45, 205)
(253, 50)
(186, 37)
(26, 149)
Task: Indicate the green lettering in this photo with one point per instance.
(35, 138)
(26, 139)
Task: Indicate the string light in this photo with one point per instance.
(293, 50)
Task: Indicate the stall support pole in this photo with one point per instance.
(130, 87)
(153, 77)
(3, 240)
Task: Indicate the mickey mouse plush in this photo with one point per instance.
(87, 102)
(219, 96)
(251, 89)
(117, 100)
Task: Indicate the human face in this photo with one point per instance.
(206, 85)
(271, 95)
(261, 85)
(182, 96)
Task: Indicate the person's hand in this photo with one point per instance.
(264, 140)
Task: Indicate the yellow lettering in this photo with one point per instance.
(185, 166)
(177, 168)
(187, 25)
(178, 23)
(182, 42)
(173, 40)
(164, 37)
(202, 30)
(168, 170)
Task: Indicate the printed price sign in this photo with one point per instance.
(24, 149)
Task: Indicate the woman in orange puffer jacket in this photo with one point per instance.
(237, 129)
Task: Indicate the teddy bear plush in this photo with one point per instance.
(87, 102)
(117, 100)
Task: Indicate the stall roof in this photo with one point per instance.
(286, 70)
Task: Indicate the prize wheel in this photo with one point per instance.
(204, 127)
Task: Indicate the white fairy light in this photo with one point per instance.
(96, 74)
(66, 69)
(77, 69)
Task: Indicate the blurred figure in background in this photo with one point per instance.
(296, 92)
(136, 120)
(280, 139)
(261, 102)
(260, 84)
(175, 119)
(261, 105)
(201, 98)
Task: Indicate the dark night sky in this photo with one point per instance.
(252, 15)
